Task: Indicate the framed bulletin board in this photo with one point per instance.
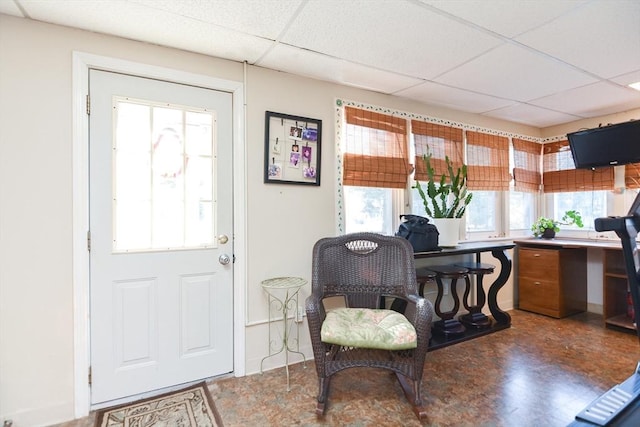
(292, 149)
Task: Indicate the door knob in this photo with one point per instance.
(223, 239)
(224, 259)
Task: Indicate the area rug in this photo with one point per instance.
(189, 407)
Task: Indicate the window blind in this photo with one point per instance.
(439, 141)
(560, 175)
(526, 171)
(487, 162)
(375, 152)
(632, 175)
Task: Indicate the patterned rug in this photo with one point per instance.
(190, 407)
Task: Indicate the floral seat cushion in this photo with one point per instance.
(368, 328)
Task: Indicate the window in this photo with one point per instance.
(369, 209)
(522, 212)
(375, 170)
(560, 174)
(488, 163)
(590, 204)
(417, 205)
(375, 150)
(527, 178)
(439, 141)
(632, 175)
(575, 189)
(482, 212)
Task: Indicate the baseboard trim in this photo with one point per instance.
(43, 416)
(595, 308)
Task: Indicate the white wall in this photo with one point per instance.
(36, 288)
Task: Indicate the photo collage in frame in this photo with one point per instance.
(292, 149)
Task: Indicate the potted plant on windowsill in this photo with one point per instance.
(547, 228)
(445, 199)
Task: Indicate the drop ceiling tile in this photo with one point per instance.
(217, 42)
(257, 17)
(531, 115)
(627, 79)
(311, 64)
(516, 73)
(394, 46)
(390, 35)
(603, 37)
(138, 22)
(458, 99)
(592, 100)
(10, 8)
(506, 17)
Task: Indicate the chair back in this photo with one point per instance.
(364, 268)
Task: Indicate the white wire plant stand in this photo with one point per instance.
(283, 305)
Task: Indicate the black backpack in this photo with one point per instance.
(417, 230)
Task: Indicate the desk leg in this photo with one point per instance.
(500, 316)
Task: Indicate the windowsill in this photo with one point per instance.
(489, 239)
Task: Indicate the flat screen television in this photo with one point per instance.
(610, 145)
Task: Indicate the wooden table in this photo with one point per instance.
(501, 319)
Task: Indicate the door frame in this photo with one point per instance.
(81, 63)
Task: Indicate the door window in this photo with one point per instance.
(163, 192)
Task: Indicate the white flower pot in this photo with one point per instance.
(449, 229)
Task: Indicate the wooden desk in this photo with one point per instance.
(614, 280)
(502, 319)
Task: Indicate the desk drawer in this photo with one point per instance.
(540, 296)
(542, 264)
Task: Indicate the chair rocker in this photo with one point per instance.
(367, 269)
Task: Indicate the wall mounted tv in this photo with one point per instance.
(610, 145)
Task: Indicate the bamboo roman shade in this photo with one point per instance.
(632, 175)
(526, 171)
(560, 174)
(487, 162)
(375, 152)
(439, 141)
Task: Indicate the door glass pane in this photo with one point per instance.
(198, 132)
(163, 177)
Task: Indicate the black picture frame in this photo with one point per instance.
(292, 149)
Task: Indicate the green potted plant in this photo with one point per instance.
(445, 197)
(547, 228)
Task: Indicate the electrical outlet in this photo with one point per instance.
(300, 314)
(445, 288)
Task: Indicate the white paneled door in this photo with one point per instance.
(161, 244)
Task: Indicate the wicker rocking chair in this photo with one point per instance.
(367, 268)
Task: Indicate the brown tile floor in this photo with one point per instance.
(540, 372)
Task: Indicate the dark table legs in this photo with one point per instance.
(502, 319)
